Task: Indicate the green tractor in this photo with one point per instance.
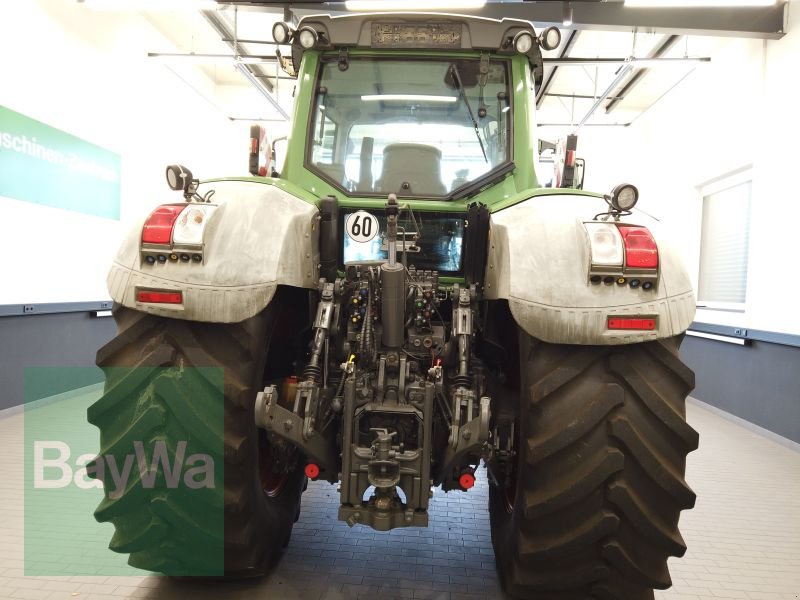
(400, 305)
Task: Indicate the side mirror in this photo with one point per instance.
(258, 135)
(580, 170)
(278, 151)
(569, 174)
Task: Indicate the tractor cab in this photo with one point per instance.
(421, 106)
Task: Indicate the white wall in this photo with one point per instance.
(738, 111)
(86, 72)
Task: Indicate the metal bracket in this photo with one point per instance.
(344, 60)
(272, 417)
(470, 438)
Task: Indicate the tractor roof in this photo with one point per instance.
(415, 30)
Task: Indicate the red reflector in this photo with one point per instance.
(570, 159)
(647, 324)
(312, 471)
(159, 297)
(158, 226)
(640, 247)
(467, 480)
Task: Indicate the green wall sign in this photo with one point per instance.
(45, 165)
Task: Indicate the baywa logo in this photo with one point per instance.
(195, 471)
(124, 476)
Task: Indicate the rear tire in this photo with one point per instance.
(591, 506)
(175, 531)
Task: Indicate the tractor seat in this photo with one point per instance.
(417, 165)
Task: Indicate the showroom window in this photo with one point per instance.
(724, 242)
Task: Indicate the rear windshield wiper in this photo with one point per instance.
(462, 93)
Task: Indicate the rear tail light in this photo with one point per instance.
(191, 223)
(159, 297)
(158, 226)
(640, 323)
(640, 247)
(606, 244)
(178, 224)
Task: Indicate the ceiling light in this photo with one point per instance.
(405, 5)
(406, 98)
(696, 3)
(566, 14)
(151, 5)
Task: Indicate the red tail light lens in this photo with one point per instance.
(640, 247)
(156, 297)
(646, 323)
(158, 226)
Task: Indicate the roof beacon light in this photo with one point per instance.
(624, 197)
(523, 42)
(281, 33)
(307, 37)
(550, 38)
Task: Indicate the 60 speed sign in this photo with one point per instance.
(361, 226)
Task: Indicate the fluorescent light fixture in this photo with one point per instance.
(404, 5)
(407, 98)
(696, 3)
(151, 5)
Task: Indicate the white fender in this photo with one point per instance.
(259, 237)
(539, 258)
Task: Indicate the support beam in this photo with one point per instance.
(623, 73)
(563, 54)
(585, 125)
(262, 85)
(641, 73)
(578, 96)
(231, 41)
(259, 85)
(762, 22)
(586, 62)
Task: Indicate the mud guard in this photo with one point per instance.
(539, 259)
(260, 237)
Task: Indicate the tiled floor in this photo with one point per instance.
(743, 536)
